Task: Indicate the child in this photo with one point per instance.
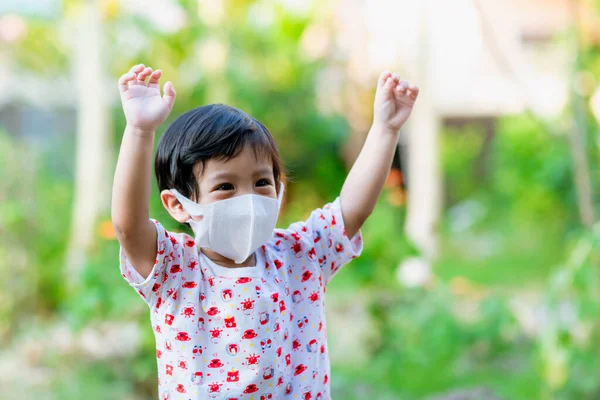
(238, 310)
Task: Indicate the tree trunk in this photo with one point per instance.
(424, 182)
(581, 173)
(576, 136)
(92, 160)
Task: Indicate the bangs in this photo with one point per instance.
(259, 140)
(213, 131)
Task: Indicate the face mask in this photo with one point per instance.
(236, 227)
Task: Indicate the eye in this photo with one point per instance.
(224, 186)
(263, 182)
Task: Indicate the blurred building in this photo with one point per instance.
(482, 57)
(474, 60)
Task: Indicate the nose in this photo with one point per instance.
(250, 188)
(246, 189)
(242, 189)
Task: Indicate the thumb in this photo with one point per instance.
(169, 94)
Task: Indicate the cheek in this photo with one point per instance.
(267, 191)
(215, 196)
(207, 197)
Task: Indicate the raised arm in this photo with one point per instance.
(145, 110)
(394, 101)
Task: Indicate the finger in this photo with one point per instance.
(124, 81)
(141, 78)
(383, 78)
(144, 74)
(413, 91)
(169, 94)
(389, 83)
(137, 68)
(402, 96)
(154, 78)
(396, 78)
(402, 86)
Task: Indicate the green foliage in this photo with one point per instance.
(460, 151)
(570, 344)
(532, 171)
(517, 197)
(44, 54)
(33, 245)
(385, 246)
(425, 347)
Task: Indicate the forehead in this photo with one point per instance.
(247, 163)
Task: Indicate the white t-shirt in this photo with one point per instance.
(250, 332)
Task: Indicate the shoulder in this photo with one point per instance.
(176, 246)
(286, 238)
(172, 237)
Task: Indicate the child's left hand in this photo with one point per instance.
(394, 101)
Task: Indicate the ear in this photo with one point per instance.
(174, 207)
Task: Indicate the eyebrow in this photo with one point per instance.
(263, 171)
(222, 175)
(229, 175)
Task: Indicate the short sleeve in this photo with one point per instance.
(324, 235)
(151, 288)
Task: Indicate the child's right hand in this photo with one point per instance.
(144, 108)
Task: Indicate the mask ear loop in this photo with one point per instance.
(192, 208)
(198, 210)
(280, 195)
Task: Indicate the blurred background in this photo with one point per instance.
(479, 278)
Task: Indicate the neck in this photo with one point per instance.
(226, 262)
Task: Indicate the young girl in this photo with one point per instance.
(238, 311)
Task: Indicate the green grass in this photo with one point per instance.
(502, 270)
(502, 255)
(514, 382)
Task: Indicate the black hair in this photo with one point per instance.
(212, 131)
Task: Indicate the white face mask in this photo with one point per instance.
(236, 227)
